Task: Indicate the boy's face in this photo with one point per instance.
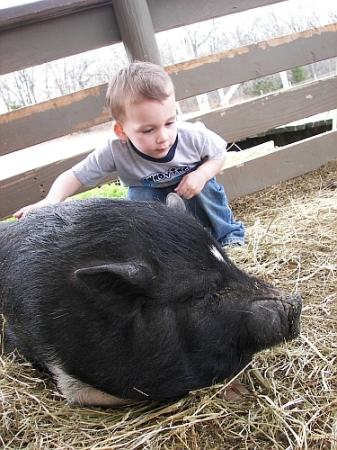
(151, 126)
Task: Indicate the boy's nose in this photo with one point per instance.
(162, 137)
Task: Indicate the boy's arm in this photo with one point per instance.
(65, 185)
(193, 183)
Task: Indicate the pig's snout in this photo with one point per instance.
(293, 306)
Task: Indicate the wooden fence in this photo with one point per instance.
(41, 32)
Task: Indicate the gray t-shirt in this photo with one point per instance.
(194, 145)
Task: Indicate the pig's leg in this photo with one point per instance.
(81, 393)
(90, 396)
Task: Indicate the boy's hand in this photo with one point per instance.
(29, 208)
(192, 184)
(65, 185)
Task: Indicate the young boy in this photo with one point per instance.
(154, 154)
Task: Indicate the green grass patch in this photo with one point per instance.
(113, 190)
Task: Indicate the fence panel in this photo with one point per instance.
(40, 32)
(84, 109)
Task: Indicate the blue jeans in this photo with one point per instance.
(210, 207)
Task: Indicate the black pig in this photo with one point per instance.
(125, 301)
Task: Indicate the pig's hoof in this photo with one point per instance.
(234, 392)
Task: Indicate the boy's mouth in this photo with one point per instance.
(162, 150)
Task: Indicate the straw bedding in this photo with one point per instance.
(292, 400)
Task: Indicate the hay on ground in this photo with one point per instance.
(292, 404)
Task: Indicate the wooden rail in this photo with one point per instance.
(86, 108)
(48, 31)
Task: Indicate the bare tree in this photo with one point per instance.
(61, 77)
(19, 88)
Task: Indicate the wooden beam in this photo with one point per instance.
(32, 186)
(166, 15)
(272, 110)
(53, 118)
(176, 13)
(69, 28)
(243, 179)
(37, 43)
(43, 9)
(288, 162)
(34, 124)
(136, 28)
(254, 61)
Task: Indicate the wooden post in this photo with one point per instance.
(136, 29)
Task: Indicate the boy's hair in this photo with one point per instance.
(136, 82)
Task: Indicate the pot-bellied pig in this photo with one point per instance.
(126, 301)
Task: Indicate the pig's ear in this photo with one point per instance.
(175, 202)
(117, 286)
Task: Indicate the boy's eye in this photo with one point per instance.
(172, 122)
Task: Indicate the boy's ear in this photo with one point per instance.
(119, 132)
